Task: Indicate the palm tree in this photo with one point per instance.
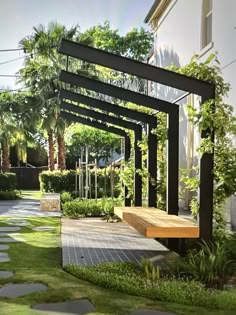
(42, 71)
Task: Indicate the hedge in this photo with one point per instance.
(7, 181)
(59, 181)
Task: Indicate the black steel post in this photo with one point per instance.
(206, 183)
(152, 165)
(127, 157)
(137, 168)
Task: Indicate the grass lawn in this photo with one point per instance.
(39, 260)
(31, 194)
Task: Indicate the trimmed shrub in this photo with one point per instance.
(65, 197)
(9, 195)
(128, 278)
(7, 181)
(59, 181)
(78, 208)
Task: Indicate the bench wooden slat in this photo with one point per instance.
(155, 223)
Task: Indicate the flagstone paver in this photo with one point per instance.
(6, 274)
(150, 312)
(8, 234)
(82, 306)
(91, 241)
(16, 290)
(44, 228)
(11, 240)
(4, 257)
(4, 247)
(9, 229)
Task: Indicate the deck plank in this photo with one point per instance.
(155, 223)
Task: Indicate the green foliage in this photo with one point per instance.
(128, 278)
(78, 208)
(152, 273)
(9, 195)
(214, 116)
(65, 197)
(57, 181)
(212, 264)
(7, 181)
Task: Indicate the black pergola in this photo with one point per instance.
(205, 90)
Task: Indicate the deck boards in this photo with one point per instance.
(155, 223)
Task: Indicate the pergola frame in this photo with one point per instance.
(151, 122)
(205, 90)
(122, 123)
(110, 129)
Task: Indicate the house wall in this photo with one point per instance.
(177, 38)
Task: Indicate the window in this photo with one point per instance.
(206, 23)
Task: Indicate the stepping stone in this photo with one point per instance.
(5, 274)
(4, 257)
(82, 306)
(19, 223)
(150, 312)
(11, 240)
(44, 228)
(16, 290)
(4, 247)
(9, 229)
(8, 234)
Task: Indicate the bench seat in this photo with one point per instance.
(155, 223)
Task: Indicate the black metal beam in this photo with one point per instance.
(132, 114)
(114, 91)
(134, 67)
(125, 124)
(101, 126)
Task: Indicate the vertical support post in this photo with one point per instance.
(127, 157)
(137, 166)
(90, 188)
(96, 181)
(82, 174)
(76, 180)
(80, 194)
(206, 183)
(152, 165)
(86, 176)
(172, 202)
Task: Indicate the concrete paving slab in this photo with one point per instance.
(9, 229)
(92, 240)
(7, 234)
(4, 257)
(150, 312)
(4, 247)
(82, 306)
(19, 223)
(16, 290)
(6, 274)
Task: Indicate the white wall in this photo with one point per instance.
(178, 38)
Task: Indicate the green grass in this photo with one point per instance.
(39, 260)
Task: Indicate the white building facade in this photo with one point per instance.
(183, 28)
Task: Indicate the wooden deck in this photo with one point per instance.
(155, 223)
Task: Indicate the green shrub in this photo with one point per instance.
(78, 208)
(65, 197)
(7, 181)
(9, 195)
(59, 181)
(129, 278)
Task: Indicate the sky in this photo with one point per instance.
(18, 17)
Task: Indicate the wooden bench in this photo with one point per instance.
(50, 202)
(155, 223)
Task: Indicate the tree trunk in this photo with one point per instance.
(5, 157)
(61, 152)
(51, 163)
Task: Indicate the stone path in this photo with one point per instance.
(44, 228)
(9, 229)
(4, 257)
(11, 240)
(6, 274)
(82, 306)
(16, 290)
(24, 208)
(91, 241)
(4, 247)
